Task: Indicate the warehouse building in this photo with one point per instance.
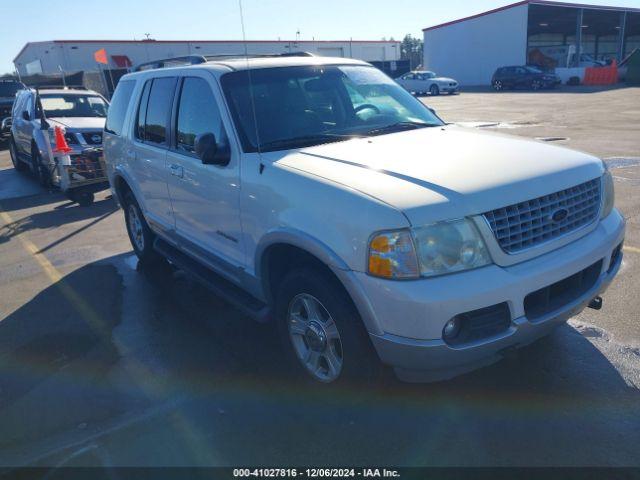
(540, 32)
(54, 56)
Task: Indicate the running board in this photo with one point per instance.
(243, 301)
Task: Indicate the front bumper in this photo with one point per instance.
(411, 315)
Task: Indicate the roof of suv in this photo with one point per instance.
(67, 91)
(252, 63)
(239, 63)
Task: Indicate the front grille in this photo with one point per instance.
(93, 138)
(555, 296)
(527, 224)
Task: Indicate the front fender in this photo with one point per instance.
(325, 254)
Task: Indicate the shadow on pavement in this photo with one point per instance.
(65, 213)
(111, 339)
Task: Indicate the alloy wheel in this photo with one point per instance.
(315, 338)
(135, 227)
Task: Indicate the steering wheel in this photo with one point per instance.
(366, 106)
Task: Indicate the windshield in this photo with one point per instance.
(303, 106)
(9, 89)
(61, 105)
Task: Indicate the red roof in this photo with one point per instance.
(533, 2)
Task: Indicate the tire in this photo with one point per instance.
(498, 86)
(434, 90)
(314, 335)
(18, 164)
(140, 235)
(39, 170)
(536, 85)
(84, 199)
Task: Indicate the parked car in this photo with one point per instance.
(8, 90)
(422, 82)
(81, 113)
(318, 194)
(526, 76)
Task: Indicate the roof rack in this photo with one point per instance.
(199, 59)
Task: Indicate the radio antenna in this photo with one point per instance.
(251, 97)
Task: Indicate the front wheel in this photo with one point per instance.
(434, 90)
(140, 234)
(498, 86)
(18, 164)
(40, 170)
(321, 331)
(536, 85)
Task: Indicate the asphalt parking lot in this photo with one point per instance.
(104, 363)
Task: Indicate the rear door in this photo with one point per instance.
(150, 143)
(205, 197)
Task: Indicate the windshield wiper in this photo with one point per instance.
(398, 126)
(304, 140)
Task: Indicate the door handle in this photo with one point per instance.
(176, 170)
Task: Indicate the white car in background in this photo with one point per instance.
(422, 82)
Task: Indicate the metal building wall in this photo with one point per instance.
(75, 56)
(471, 50)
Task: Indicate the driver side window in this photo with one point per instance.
(198, 113)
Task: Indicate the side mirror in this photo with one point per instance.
(26, 116)
(206, 148)
(432, 110)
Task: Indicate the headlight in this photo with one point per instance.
(392, 255)
(608, 193)
(437, 249)
(447, 247)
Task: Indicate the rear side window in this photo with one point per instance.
(159, 110)
(142, 110)
(119, 105)
(198, 113)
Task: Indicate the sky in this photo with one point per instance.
(38, 20)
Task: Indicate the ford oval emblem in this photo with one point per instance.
(559, 215)
(96, 138)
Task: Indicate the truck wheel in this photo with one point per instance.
(18, 164)
(321, 331)
(84, 199)
(140, 234)
(434, 90)
(41, 171)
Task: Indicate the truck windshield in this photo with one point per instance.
(308, 105)
(61, 105)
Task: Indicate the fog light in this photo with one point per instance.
(451, 328)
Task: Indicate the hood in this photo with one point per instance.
(442, 173)
(78, 123)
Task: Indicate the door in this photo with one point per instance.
(151, 140)
(521, 78)
(409, 82)
(24, 128)
(205, 197)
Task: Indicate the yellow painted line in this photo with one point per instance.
(138, 370)
(56, 278)
(631, 249)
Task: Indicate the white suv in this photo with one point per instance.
(318, 194)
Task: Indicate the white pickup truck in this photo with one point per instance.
(319, 195)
